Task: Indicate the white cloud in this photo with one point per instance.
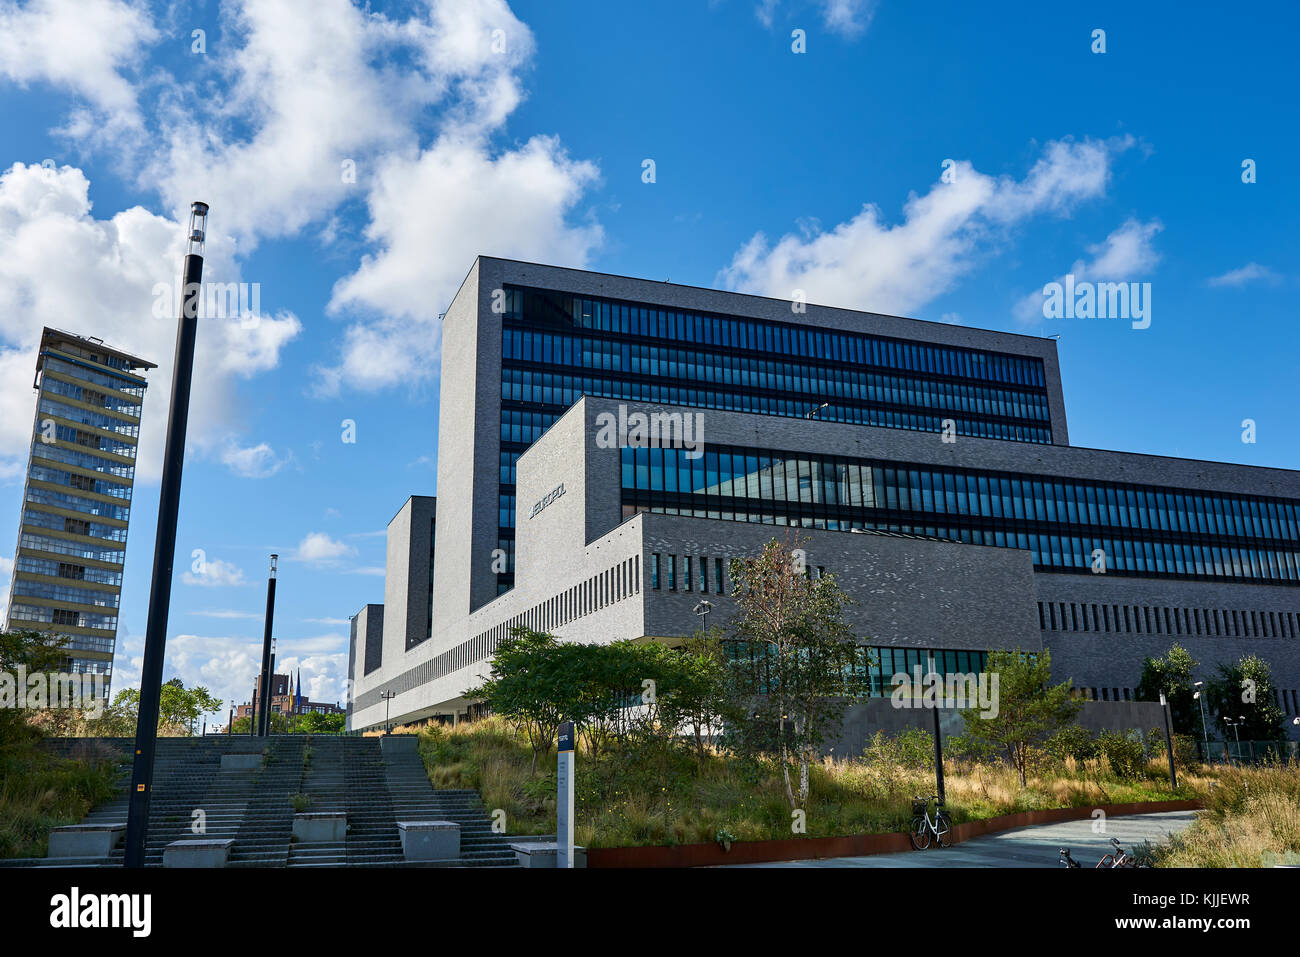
(225, 613)
(46, 224)
(319, 549)
(84, 46)
(430, 215)
(328, 621)
(215, 573)
(265, 132)
(865, 263)
(1251, 272)
(849, 18)
(256, 461)
(1127, 254)
(6, 573)
(375, 570)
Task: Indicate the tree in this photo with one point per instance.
(33, 652)
(796, 660)
(313, 722)
(1172, 674)
(529, 687)
(1245, 690)
(178, 706)
(279, 724)
(1029, 709)
(696, 696)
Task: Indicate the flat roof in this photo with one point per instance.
(50, 336)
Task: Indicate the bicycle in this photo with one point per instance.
(1066, 860)
(924, 827)
(1120, 858)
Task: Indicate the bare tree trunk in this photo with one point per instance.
(785, 775)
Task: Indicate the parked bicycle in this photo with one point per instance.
(926, 828)
(1119, 858)
(1066, 860)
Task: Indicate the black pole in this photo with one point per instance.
(252, 716)
(1169, 743)
(938, 755)
(265, 690)
(230, 721)
(164, 549)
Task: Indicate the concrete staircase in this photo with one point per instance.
(376, 785)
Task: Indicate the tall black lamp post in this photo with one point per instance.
(164, 549)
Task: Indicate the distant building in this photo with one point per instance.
(285, 700)
(67, 576)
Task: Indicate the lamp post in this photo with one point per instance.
(388, 696)
(1204, 728)
(703, 609)
(1169, 742)
(265, 689)
(1236, 731)
(813, 413)
(164, 549)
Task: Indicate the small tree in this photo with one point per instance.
(1245, 690)
(1172, 674)
(1029, 709)
(695, 697)
(797, 660)
(35, 652)
(530, 687)
(178, 707)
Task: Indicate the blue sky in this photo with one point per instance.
(774, 171)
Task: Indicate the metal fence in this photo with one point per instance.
(1248, 752)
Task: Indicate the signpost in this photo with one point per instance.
(564, 798)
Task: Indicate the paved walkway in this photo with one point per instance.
(1035, 846)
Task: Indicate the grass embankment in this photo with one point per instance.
(39, 791)
(1251, 819)
(666, 796)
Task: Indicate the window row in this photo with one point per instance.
(730, 373)
(704, 573)
(730, 472)
(83, 393)
(90, 440)
(70, 593)
(560, 310)
(91, 506)
(83, 374)
(73, 413)
(873, 668)
(62, 546)
(75, 526)
(1165, 620)
(55, 476)
(63, 616)
(85, 460)
(69, 570)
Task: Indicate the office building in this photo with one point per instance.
(927, 465)
(67, 577)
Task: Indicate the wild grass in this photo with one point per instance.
(39, 791)
(1251, 819)
(662, 794)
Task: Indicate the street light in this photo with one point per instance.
(388, 696)
(816, 410)
(1204, 729)
(702, 609)
(1236, 730)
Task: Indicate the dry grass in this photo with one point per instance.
(665, 797)
(1251, 819)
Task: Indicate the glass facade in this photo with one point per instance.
(1065, 523)
(68, 566)
(557, 347)
(873, 667)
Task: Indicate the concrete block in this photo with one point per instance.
(429, 840)
(85, 840)
(394, 744)
(317, 827)
(242, 762)
(545, 854)
(203, 852)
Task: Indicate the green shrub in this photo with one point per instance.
(1073, 742)
(912, 750)
(1123, 752)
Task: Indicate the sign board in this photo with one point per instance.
(564, 797)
